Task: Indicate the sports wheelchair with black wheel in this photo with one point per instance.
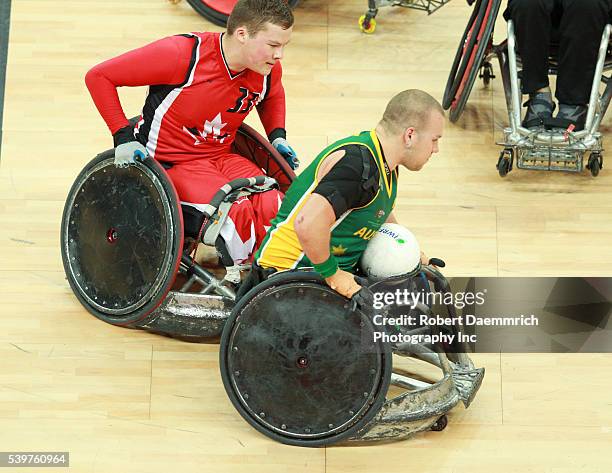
(303, 366)
(543, 148)
(123, 243)
(218, 11)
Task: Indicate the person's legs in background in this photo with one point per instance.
(533, 26)
(580, 30)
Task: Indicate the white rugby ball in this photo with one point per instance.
(392, 251)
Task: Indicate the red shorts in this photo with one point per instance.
(249, 218)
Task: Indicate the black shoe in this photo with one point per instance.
(223, 253)
(540, 107)
(572, 115)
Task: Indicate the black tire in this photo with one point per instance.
(594, 164)
(89, 243)
(487, 74)
(217, 11)
(503, 165)
(293, 362)
(440, 424)
(459, 64)
(469, 59)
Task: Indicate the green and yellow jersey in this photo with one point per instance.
(350, 234)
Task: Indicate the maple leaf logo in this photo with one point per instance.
(211, 131)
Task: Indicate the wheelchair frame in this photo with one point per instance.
(550, 150)
(531, 149)
(421, 406)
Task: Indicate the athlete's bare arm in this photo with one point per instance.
(313, 226)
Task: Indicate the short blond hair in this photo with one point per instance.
(254, 14)
(410, 108)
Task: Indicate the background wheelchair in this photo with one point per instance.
(123, 243)
(539, 149)
(218, 11)
(367, 21)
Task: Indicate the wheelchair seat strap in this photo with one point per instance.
(213, 227)
(218, 209)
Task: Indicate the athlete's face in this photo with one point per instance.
(262, 50)
(421, 143)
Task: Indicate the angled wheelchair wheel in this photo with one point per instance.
(250, 144)
(121, 238)
(476, 40)
(299, 365)
(218, 11)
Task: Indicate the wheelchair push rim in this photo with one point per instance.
(121, 238)
(249, 143)
(459, 65)
(299, 365)
(470, 56)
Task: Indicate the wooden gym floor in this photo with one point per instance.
(122, 400)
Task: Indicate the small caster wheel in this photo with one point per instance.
(486, 73)
(595, 164)
(367, 24)
(504, 163)
(440, 424)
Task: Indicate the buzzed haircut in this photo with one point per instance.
(410, 108)
(254, 14)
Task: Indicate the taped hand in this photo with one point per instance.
(286, 151)
(128, 153)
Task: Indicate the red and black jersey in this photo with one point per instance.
(195, 103)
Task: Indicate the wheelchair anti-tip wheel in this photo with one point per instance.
(121, 238)
(473, 46)
(218, 11)
(299, 365)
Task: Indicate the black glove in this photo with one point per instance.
(364, 298)
(437, 262)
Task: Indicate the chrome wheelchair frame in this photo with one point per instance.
(557, 150)
(539, 149)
